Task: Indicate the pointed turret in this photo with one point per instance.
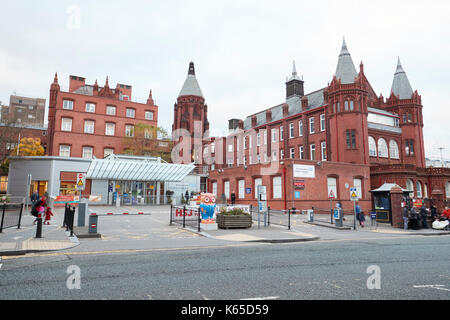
(150, 99)
(345, 70)
(55, 84)
(294, 86)
(191, 86)
(401, 86)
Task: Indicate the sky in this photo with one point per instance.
(242, 50)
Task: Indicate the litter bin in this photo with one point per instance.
(82, 209)
(310, 215)
(93, 223)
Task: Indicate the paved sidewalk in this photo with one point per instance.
(21, 241)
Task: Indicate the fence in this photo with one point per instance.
(326, 216)
(69, 216)
(11, 215)
(186, 216)
(274, 217)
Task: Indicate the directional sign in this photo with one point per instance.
(81, 181)
(353, 194)
(297, 194)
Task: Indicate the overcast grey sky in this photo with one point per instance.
(243, 50)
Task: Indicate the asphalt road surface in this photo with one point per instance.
(410, 269)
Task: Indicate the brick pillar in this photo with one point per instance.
(437, 197)
(396, 207)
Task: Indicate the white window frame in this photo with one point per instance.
(312, 128)
(90, 107)
(105, 153)
(281, 133)
(300, 128)
(86, 154)
(357, 183)
(226, 189)
(68, 104)
(332, 186)
(383, 149)
(312, 152)
(322, 122)
(292, 153)
(257, 182)
(277, 190)
(323, 150)
(241, 189)
(419, 189)
(110, 129)
(89, 126)
(111, 110)
(274, 135)
(129, 131)
(394, 150)
(291, 130)
(301, 153)
(149, 115)
(66, 152)
(131, 113)
(66, 124)
(372, 147)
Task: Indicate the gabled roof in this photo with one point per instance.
(401, 86)
(191, 86)
(345, 70)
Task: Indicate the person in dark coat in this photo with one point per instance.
(34, 197)
(405, 217)
(434, 214)
(423, 215)
(233, 198)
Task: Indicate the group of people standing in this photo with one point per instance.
(39, 208)
(416, 218)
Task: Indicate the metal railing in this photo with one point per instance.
(134, 200)
(186, 216)
(326, 216)
(11, 215)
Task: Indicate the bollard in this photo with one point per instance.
(39, 227)
(93, 223)
(311, 215)
(82, 210)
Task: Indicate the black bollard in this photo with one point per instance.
(39, 228)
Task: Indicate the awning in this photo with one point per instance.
(387, 188)
(114, 168)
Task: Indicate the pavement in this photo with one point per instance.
(155, 225)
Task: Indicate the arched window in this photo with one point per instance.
(447, 189)
(410, 187)
(393, 150)
(425, 190)
(419, 189)
(382, 148)
(372, 147)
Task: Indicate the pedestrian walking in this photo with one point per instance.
(48, 215)
(434, 214)
(360, 215)
(405, 217)
(186, 196)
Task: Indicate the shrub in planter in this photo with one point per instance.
(233, 219)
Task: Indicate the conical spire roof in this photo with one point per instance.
(294, 73)
(401, 86)
(345, 70)
(191, 86)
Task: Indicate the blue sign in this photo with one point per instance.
(373, 215)
(248, 190)
(336, 214)
(297, 194)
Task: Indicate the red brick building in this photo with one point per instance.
(323, 143)
(89, 120)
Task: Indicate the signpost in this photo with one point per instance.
(81, 182)
(331, 196)
(262, 203)
(354, 198)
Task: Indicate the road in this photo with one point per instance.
(408, 268)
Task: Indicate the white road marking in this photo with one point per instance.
(262, 298)
(433, 286)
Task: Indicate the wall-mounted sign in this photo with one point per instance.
(304, 171)
(299, 184)
(297, 194)
(248, 190)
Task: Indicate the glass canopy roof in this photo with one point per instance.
(128, 168)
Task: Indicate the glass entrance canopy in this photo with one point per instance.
(131, 168)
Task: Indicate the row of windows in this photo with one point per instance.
(110, 110)
(301, 155)
(277, 190)
(381, 149)
(87, 152)
(278, 134)
(110, 128)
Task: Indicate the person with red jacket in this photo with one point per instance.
(48, 215)
(446, 213)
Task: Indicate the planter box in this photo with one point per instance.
(234, 222)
